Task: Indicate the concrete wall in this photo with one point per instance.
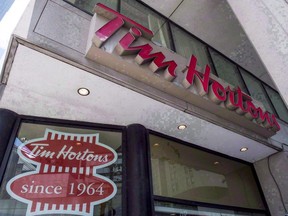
(267, 29)
(273, 176)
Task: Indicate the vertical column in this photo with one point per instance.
(139, 196)
(7, 121)
(273, 177)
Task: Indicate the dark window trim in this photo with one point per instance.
(193, 203)
(172, 43)
(264, 91)
(209, 205)
(264, 85)
(269, 100)
(71, 123)
(211, 60)
(246, 87)
(9, 148)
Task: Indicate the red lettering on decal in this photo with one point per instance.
(202, 83)
(144, 54)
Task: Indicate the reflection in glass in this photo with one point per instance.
(169, 209)
(186, 45)
(256, 90)
(149, 19)
(77, 180)
(186, 173)
(278, 103)
(227, 71)
(88, 5)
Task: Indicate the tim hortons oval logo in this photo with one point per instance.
(65, 180)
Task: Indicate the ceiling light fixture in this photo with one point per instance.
(243, 149)
(156, 144)
(83, 91)
(182, 127)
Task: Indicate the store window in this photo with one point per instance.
(169, 209)
(56, 169)
(88, 5)
(277, 103)
(226, 70)
(256, 90)
(181, 172)
(149, 19)
(186, 46)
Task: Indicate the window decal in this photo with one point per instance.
(65, 180)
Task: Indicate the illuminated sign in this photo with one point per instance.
(228, 98)
(65, 179)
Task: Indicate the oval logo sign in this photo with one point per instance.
(65, 179)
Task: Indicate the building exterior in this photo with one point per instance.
(146, 108)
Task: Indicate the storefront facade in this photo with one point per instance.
(100, 126)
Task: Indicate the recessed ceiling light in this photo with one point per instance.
(182, 127)
(243, 149)
(83, 91)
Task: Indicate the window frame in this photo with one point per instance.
(203, 204)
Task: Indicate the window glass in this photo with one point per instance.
(227, 71)
(186, 45)
(88, 5)
(149, 19)
(278, 103)
(63, 168)
(186, 173)
(256, 90)
(168, 209)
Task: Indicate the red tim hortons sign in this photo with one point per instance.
(65, 180)
(119, 42)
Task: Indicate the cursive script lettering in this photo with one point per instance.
(232, 99)
(66, 152)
